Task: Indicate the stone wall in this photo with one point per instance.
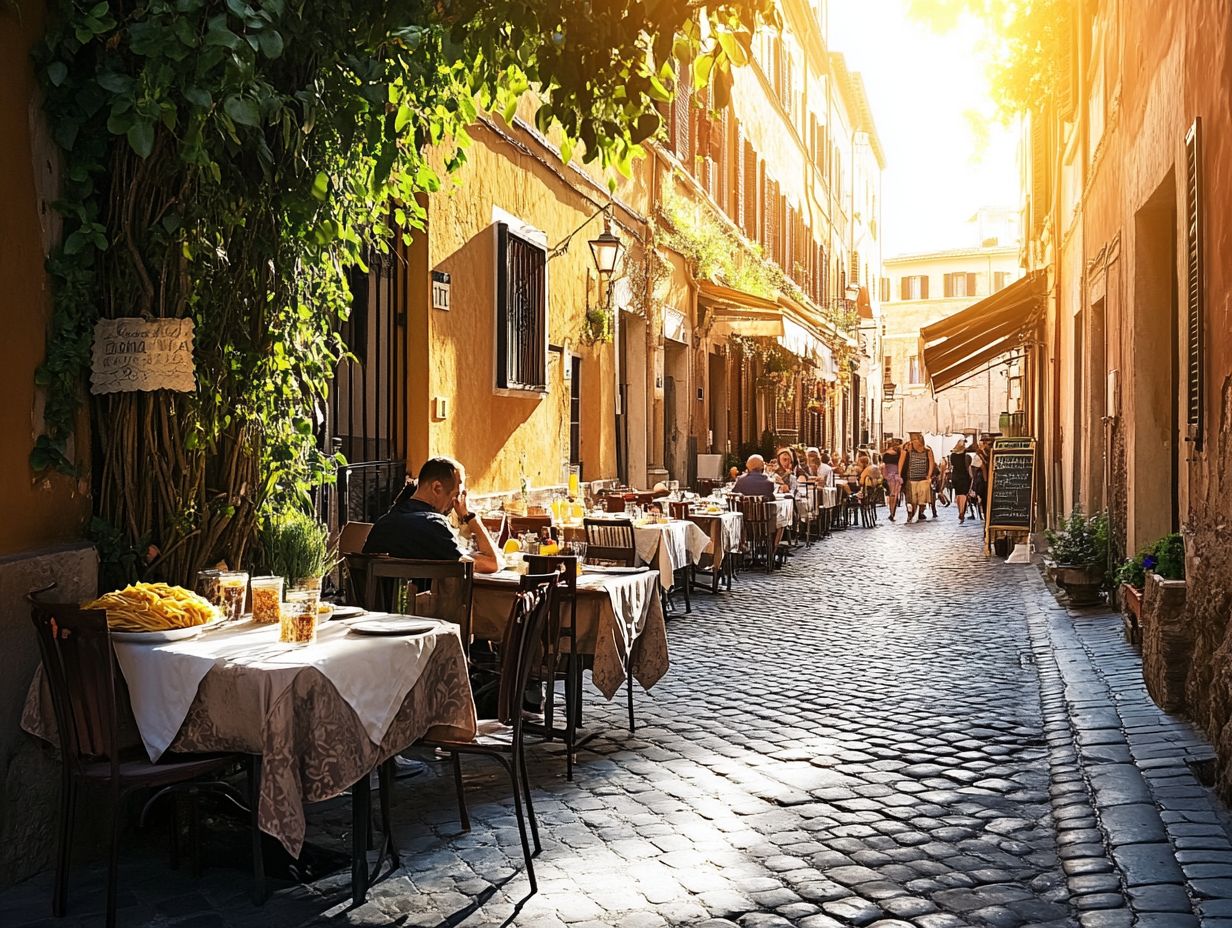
(29, 769)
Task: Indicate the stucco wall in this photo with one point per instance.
(36, 510)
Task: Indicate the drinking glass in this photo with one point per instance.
(575, 480)
(299, 618)
(234, 587)
(209, 586)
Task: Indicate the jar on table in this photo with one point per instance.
(234, 586)
(298, 623)
(266, 600)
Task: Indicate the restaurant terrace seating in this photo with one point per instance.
(502, 738)
(79, 666)
(382, 575)
(561, 629)
(610, 540)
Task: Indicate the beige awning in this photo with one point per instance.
(962, 343)
(736, 312)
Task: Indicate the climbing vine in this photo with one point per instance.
(231, 161)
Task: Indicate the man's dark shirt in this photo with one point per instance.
(413, 529)
(754, 483)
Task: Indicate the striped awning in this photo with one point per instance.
(961, 344)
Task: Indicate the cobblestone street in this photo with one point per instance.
(891, 731)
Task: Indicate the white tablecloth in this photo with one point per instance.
(670, 546)
(786, 511)
(372, 674)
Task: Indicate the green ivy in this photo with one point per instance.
(231, 161)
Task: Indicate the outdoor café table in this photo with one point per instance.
(619, 616)
(785, 511)
(319, 716)
(666, 546)
(724, 529)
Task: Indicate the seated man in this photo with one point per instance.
(417, 525)
(755, 481)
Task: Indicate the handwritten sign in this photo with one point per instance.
(1013, 488)
(142, 354)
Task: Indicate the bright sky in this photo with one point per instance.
(946, 155)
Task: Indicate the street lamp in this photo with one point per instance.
(606, 250)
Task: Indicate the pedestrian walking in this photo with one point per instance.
(960, 477)
(893, 479)
(919, 465)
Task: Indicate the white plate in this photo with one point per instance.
(392, 626)
(168, 634)
(348, 612)
(611, 569)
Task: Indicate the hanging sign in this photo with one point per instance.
(133, 354)
(1011, 490)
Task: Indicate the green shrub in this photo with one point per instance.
(295, 546)
(1081, 541)
(1165, 557)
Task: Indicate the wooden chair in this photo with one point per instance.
(759, 531)
(705, 487)
(614, 503)
(79, 665)
(498, 528)
(451, 599)
(502, 738)
(610, 540)
(520, 524)
(735, 503)
(679, 510)
(564, 567)
(352, 537)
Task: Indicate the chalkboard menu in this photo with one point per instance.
(1011, 498)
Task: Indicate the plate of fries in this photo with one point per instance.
(155, 612)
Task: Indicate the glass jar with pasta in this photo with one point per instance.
(299, 617)
(234, 585)
(266, 600)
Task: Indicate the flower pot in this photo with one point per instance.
(1131, 613)
(1081, 584)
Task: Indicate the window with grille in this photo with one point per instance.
(521, 307)
(1195, 301)
(959, 284)
(914, 287)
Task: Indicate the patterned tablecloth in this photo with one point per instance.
(320, 716)
(619, 616)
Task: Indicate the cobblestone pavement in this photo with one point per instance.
(892, 731)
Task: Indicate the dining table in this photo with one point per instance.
(619, 622)
(725, 530)
(666, 546)
(320, 717)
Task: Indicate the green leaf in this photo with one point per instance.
(270, 42)
(57, 71)
(220, 35)
(242, 111)
(320, 186)
(198, 97)
(732, 49)
(141, 137)
(115, 82)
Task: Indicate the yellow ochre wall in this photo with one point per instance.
(33, 512)
(486, 431)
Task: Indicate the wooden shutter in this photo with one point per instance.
(1039, 173)
(751, 172)
(923, 286)
(737, 178)
(970, 285)
(718, 150)
(948, 284)
(680, 117)
(1195, 297)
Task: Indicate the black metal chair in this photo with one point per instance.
(503, 738)
(79, 665)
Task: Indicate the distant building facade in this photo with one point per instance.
(921, 289)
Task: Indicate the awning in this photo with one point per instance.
(802, 341)
(864, 306)
(964, 342)
(738, 313)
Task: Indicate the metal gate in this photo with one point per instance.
(367, 416)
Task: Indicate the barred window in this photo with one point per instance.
(1195, 284)
(521, 306)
